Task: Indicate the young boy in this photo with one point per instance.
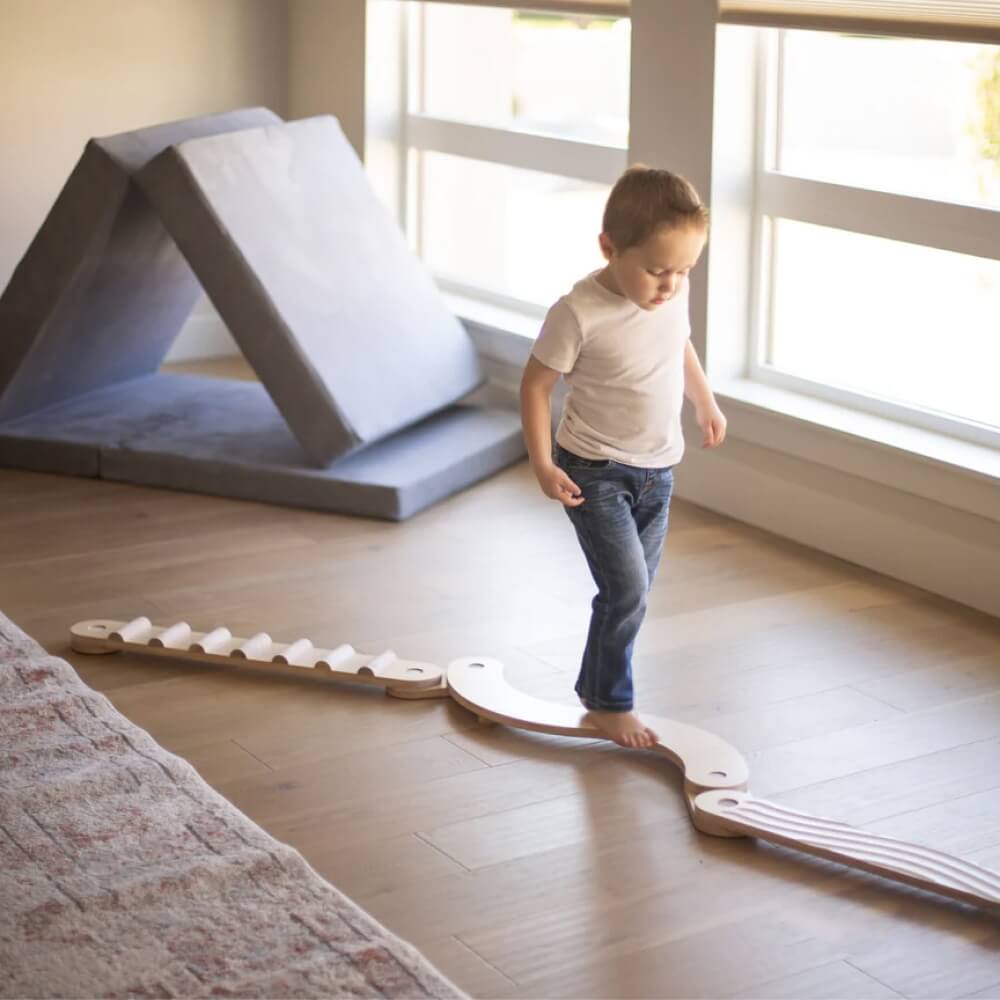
(620, 338)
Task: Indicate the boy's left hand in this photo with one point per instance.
(712, 422)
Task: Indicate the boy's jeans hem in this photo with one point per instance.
(606, 707)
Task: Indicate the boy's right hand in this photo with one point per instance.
(557, 485)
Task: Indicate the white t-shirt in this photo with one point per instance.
(625, 370)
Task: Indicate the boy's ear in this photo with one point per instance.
(607, 247)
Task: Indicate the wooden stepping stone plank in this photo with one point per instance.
(715, 774)
(399, 677)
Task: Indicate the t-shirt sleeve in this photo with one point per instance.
(558, 344)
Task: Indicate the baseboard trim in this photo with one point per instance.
(944, 550)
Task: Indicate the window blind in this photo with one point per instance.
(955, 20)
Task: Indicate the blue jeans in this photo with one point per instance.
(621, 526)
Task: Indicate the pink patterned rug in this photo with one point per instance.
(122, 874)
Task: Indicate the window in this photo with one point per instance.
(878, 226)
(516, 125)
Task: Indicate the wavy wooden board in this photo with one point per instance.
(706, 760)
(923, 867)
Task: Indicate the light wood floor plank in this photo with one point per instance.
(835, 981)
(876, 793)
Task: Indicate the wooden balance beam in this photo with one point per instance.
(715, 773)
(402, 678)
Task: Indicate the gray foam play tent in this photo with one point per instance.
(362, 368)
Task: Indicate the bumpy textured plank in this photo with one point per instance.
(925, 867)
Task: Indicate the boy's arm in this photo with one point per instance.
(537, 384)
(710, 418)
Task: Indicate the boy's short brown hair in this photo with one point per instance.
(643, 199)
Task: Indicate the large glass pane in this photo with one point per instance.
(517, 232)
(906, 323)
(910, 116)
(565, 75)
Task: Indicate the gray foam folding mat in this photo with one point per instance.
(102, 291)
(314, 279)
(360, 362)
(225, 437)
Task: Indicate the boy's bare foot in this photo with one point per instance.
(624, 728)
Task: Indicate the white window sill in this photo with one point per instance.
(499, 334)
(934, 466)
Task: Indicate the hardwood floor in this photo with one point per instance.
(531, 866)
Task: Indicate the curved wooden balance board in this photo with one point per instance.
(924, 867)
(401, 678)
(706, 761)
(715, 779)
(715, 773)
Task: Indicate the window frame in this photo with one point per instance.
(715, 67)
(420, 132)
(910, 219)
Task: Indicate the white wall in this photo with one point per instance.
(73, 69)
(326, 63)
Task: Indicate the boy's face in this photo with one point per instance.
(652, 272)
